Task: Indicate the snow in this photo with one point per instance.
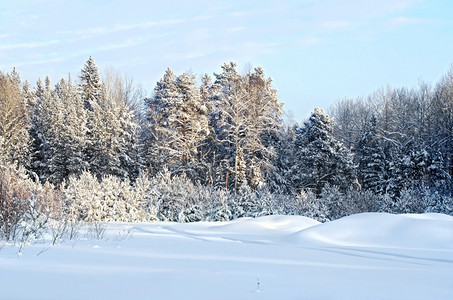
(385, 230)
(364, 256)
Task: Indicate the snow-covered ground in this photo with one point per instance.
(366, 256)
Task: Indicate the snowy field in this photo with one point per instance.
(366, 256)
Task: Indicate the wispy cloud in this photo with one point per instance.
(403, 4)
(197, 35)
(149, 24)
(309, 41)
(41, 61)
(335, 25)
(85, 33)
(131, 42)
(237, 14)
(198, 54)
(403, 21)
(61, 56)
(260, 47)
(236, 29)
(184, 56)
(28, 45)
(202, 18)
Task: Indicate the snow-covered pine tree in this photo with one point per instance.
(370, 157)
(157, 121)
(441, 121)
(178, 123)
(59, 131)
(29, 95)
(280, 180)
(191, 124)
(126, 97)
(111, 126)
(439, 179)
(105, 139)
(41, 129)
(320, 159)
(68, 143)
(229, 127)
(90, 84)
(208, 150)
(92, 93)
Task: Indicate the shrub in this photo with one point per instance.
(26, 205)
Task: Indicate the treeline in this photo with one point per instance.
(223, 133)
(401, 138)
(224, 140)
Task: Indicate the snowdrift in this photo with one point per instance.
(424, 231)
(365, 256)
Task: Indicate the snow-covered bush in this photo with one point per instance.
(34, 222)
(351, 202)
(245, 203)
(142, 197)
(82, 197)
(111, 199)
(266, 203)
(335, 202)
(193, 213)
(176, 198)
(196, 206)
(410, 200)
(171, 195)
(440, 203)
(15, 191)
(309, 205)
(362, 201)
(45, 213)
(25, 205)
(117, 200)
(218, 207)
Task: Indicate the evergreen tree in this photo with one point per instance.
(125, 98)
(371, 161)
(209, 149)
(280, 180)
(229, 127)
(192, 122)
(320, 159)
(112, 130)
(59, 130)
(106, 143)
(41, 129)
(157, 113)
(441, 119)
(90, 84)
(68, 142)
(419, 168)
(179, 124)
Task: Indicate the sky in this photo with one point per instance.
(317, 52)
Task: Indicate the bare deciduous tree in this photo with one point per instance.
(14, 121)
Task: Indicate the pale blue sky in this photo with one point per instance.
(317, 52)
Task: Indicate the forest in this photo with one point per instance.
(96, 149)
